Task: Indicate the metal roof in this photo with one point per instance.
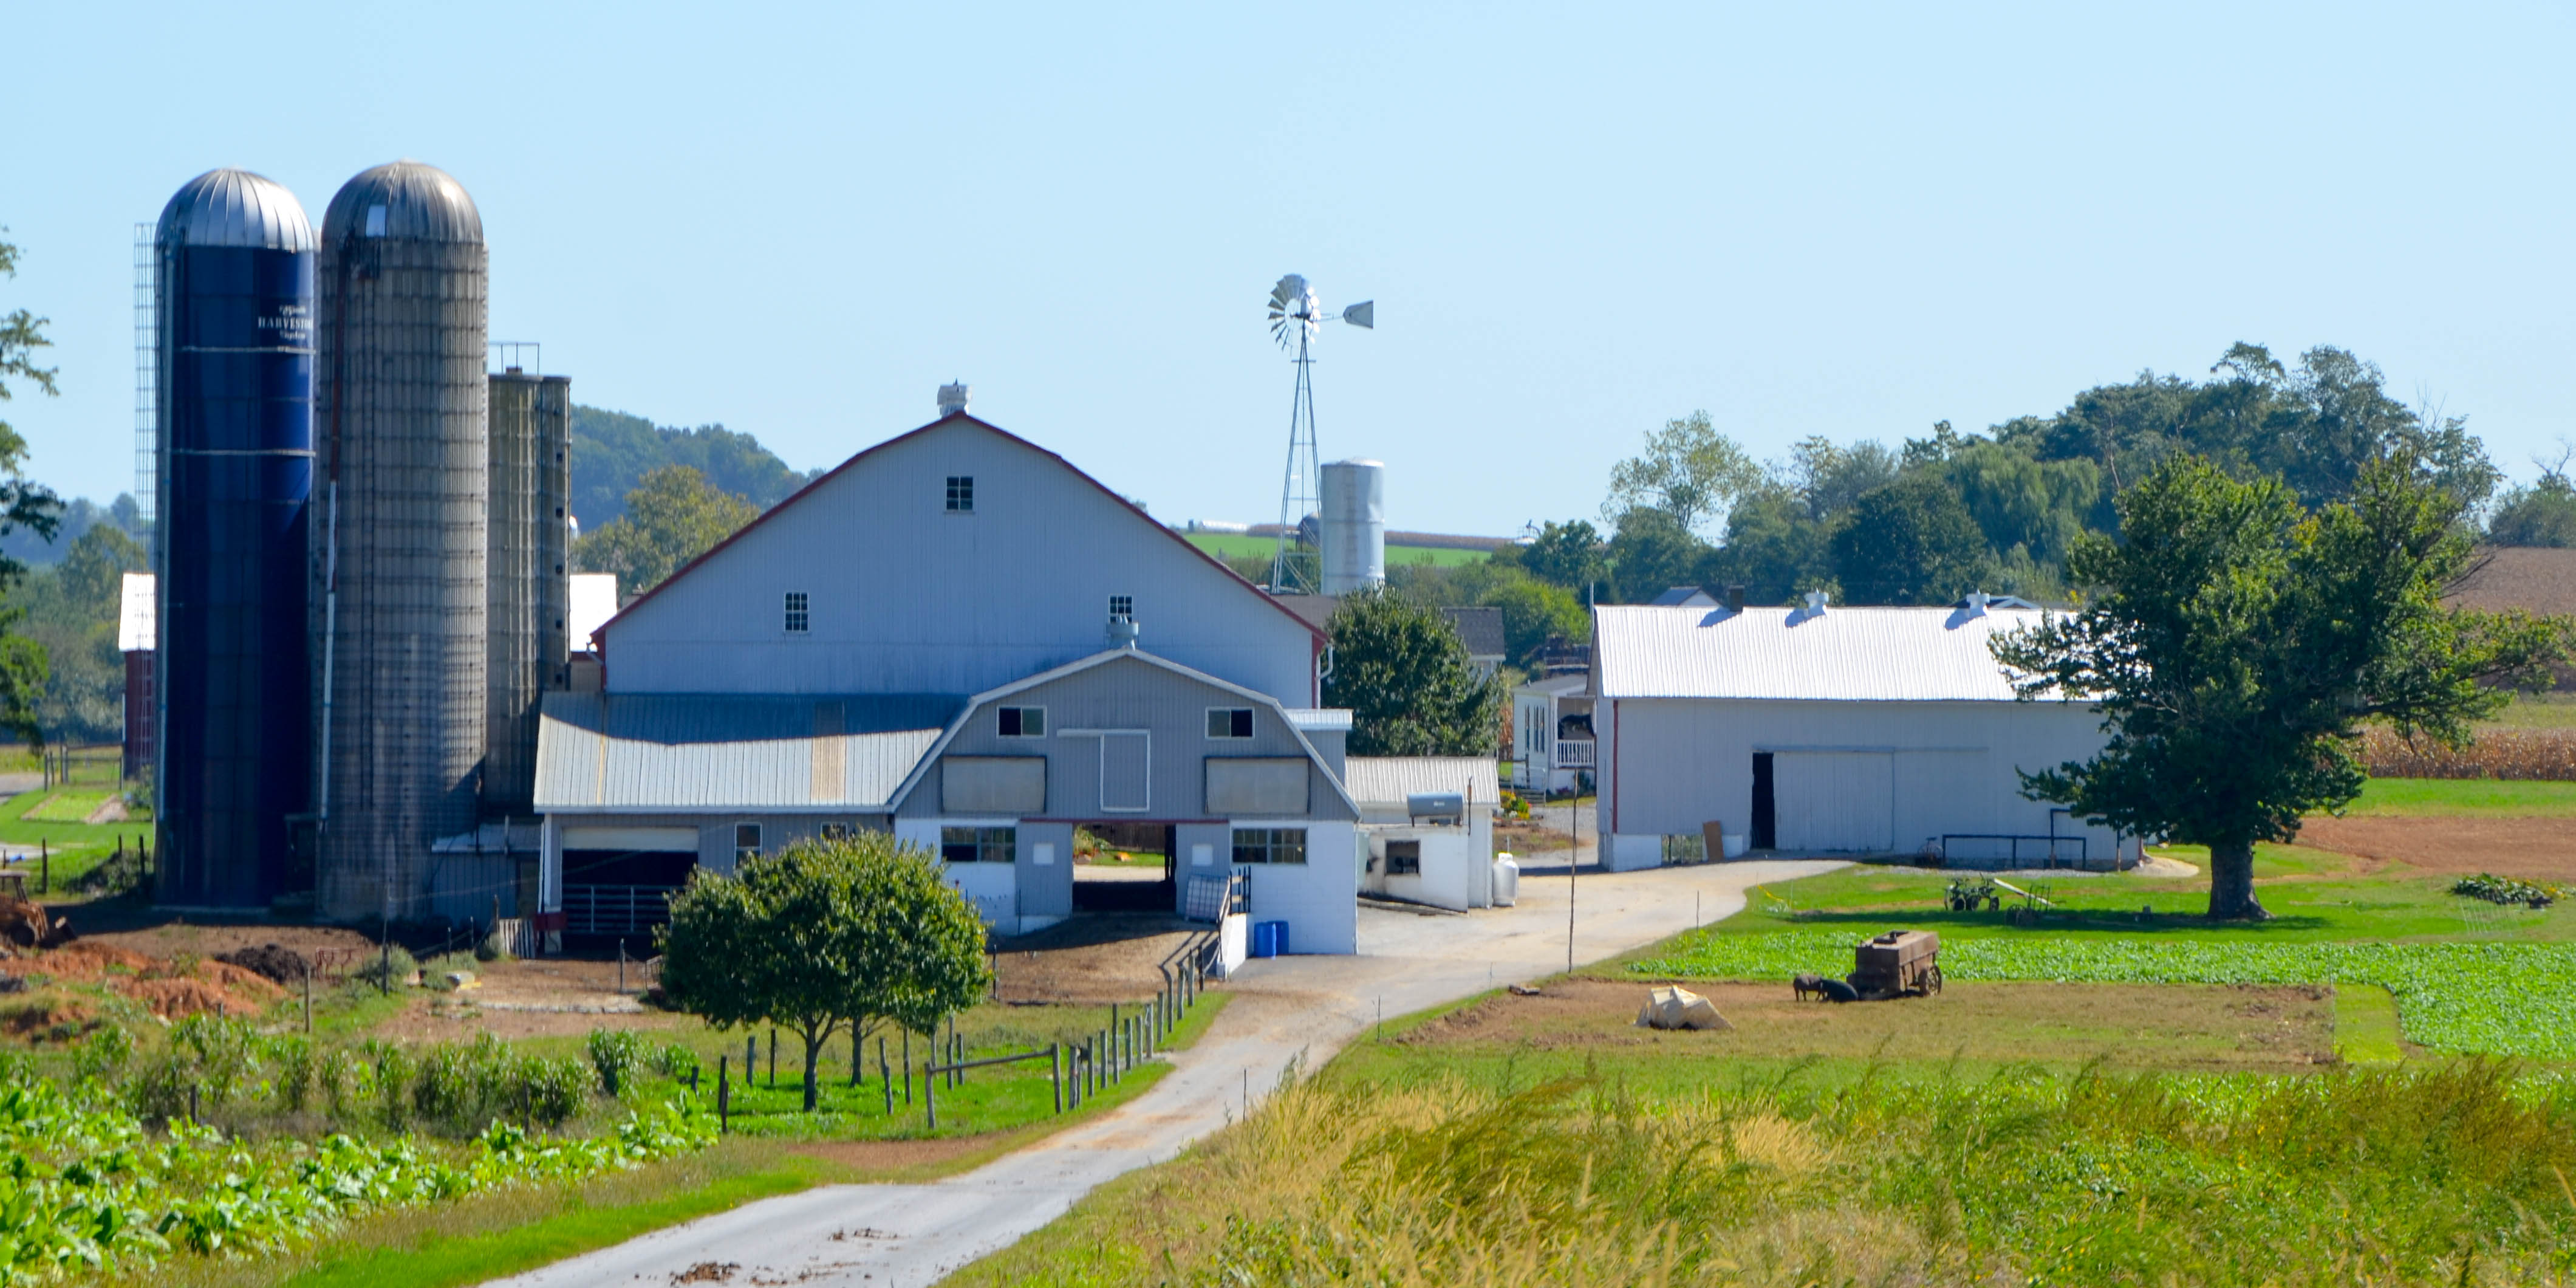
(1389, 780)
(135, 624)
(235, 208)
(1839, 654)
(420, 203)
(1320, 719)
(673, 753)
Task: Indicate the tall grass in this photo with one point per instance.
(2545, 754)
(2453, 1174)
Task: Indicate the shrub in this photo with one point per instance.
(550, 1092)
(675, 1062)
(296, 1068)
(490, 948)
(394, 1070)
(338, 1077)
(104, 1054)
(390, 967)
(616, 1054)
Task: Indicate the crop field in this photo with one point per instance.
(2499, 999)
(1228, 545)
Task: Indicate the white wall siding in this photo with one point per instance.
(1319, 898)
(1925, 768)
(905, 597)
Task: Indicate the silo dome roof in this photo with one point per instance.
(418, 203)
(235, 208)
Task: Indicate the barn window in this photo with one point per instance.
(1404, 858)
(1122, 608)
(1270, 845)
(746, 842)
(1229, 722)
(799, 616)
(978, 844)
(961, 494)
(838, 831)
(1020, 722)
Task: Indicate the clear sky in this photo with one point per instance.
(1577, 222)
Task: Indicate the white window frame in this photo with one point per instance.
(1122, 608)
(742, 852)
(961, 494)
(1304, 856)
(796, 613)
(1230, 735)
(1024, 722)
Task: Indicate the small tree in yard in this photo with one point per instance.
(822, 935)
(2237, 643)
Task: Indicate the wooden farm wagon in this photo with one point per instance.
(1900, 963)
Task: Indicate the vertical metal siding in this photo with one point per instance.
(1018, 587)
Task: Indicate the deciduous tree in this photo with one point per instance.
(1688, 471)
(822, 936)
(1403, 674)
(2237, 642)
(672, 518)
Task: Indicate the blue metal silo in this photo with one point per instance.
(235, 282)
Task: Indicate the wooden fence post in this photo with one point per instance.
(724, 1093)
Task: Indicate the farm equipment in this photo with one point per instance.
(1900, 963)
(1968, 896)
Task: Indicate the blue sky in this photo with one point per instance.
(1577, 222)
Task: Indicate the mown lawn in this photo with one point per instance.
(2473, 797)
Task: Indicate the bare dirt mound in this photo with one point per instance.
(2534, 849)
(172, 988)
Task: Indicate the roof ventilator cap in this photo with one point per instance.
(952, 399)
(1816, 602)
(1975, 603)
(1122, 632)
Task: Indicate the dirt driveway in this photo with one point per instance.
(2534, 849)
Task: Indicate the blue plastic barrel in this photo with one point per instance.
(1269, 938)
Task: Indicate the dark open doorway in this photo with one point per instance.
(1124, 867)
(1766, 820)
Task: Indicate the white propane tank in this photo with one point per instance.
(1507, 881)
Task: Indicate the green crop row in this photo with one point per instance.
(85, 1187)
(2494, 999)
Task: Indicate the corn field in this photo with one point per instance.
(2497, 753)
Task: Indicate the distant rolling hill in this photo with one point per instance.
(611, 450)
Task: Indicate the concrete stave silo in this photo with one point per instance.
(401, 547)
(234, 288)
(529, 590)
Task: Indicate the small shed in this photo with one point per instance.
(1415, 852)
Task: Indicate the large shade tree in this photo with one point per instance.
(1404, 675)
(674, 516)
(24, 503)
(825, 936)
(2238, 642)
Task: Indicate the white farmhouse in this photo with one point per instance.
(958, 637)
(1830, 731)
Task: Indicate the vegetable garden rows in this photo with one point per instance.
(2491, 999)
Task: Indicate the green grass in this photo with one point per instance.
(2537, 711)
(2469, 797)
(65, 806)
(2366, 1026)
(1229, 545)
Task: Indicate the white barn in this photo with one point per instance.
(1830, 731)
(958, 637)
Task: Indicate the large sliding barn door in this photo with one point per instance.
(1841, 801)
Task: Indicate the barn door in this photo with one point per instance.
(1126, 763)
(1835, 801)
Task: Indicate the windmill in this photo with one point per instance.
(1296, 316)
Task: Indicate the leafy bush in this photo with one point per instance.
(390, 967)
(293, 1059)
(675, 1062)
(2492, 998)
(2506, 890)
(394, 1069)
(104, 1054)
(616, 1054)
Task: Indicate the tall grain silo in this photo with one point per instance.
(233, 288)
(401, 544)
(529, 590)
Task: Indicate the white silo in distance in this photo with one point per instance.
(1354, 526)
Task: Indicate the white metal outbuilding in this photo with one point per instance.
(1825, 730)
